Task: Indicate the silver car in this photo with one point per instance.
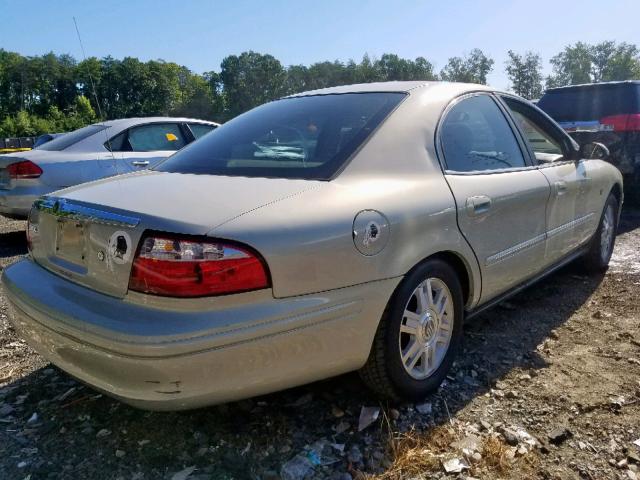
(90, 153)
(352, 228)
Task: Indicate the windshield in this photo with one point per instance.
(68, 139)
(591, 103)
(301, 137)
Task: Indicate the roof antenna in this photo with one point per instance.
(95, 94)
(84, 56)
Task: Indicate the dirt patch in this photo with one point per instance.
(548, 386)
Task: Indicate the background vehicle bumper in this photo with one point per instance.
(17, 201)
(196, 352)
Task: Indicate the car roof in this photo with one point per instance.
(396, 86)
(130, 122)
(592, 85)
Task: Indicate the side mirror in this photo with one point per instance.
(594, 150)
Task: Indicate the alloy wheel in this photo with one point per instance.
(426, 328)
(606, 235)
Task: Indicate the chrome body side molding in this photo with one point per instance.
(520, 247)
(570, 225)
(509, 252)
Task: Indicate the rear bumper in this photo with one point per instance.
(17, 202)
(186, 354)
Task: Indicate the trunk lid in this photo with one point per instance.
(90, 233)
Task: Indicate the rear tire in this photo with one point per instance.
(419, 334)
(601, 246)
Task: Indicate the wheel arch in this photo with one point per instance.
(460, 266)
(616, 190)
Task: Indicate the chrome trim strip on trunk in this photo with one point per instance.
(60, 207)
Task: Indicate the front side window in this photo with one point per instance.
(301, 137)
(476, 136)
(536, 131)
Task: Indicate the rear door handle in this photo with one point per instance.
(561, 187)
(140, 163)
(478, 205)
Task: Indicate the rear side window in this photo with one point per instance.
(475, 136)
(68, 139)
(301, 137)
(156, 136)
(591, 102)
(200, 129)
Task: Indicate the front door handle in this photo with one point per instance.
(478, 205)
(140, 163)
(561, 187)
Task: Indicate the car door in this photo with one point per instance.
(143, 146)
(570, 215)
(501, 197)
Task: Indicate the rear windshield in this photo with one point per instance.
(591, 103)
(68, 139)
(303, 137)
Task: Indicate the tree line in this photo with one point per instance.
(52, 93)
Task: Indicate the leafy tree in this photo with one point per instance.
(250, 79)
(55, 93)
(12, 85)
(473, 68)
(602, 62)
(392, 67)
(571, 66)
(330, 74)
(89, 74)
(297, 79)
(525, 74)
(197, 98)
(611, 61)
(366, 71)
(83, 110)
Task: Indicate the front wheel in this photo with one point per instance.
(419, 334)
(601, 246)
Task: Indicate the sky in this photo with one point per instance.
(200, 33)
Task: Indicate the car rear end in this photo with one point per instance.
(608, 113)
(140, 286)
(20, 185)
(172, 321)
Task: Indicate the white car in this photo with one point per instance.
(97, 151)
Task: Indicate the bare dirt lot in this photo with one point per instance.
(548, 386)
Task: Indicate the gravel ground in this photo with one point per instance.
(548, 387)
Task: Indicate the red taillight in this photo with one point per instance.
(24, 169)
(623, 123)
(178, 267)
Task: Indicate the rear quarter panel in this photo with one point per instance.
(307, 240)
